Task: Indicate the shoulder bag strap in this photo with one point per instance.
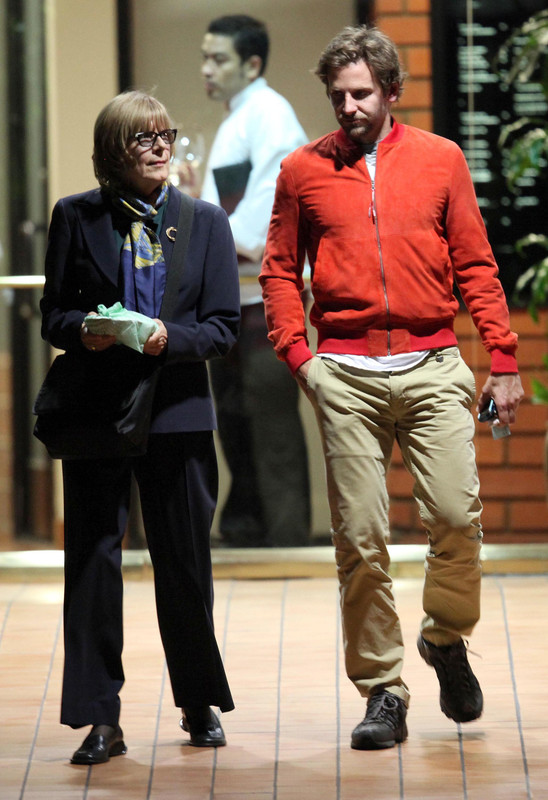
(177, 262)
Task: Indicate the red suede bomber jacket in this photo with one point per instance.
(383, 259)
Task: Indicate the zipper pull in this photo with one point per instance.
(372, 212)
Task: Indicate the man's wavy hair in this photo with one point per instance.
(363, 43)
(124, 116)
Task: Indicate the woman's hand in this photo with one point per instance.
(95, 341)
(157, 341)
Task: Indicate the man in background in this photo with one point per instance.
(257, 400)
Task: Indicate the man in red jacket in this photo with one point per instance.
(388, 218)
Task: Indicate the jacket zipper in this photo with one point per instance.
(373, 215)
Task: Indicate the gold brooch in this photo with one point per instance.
(171, 233)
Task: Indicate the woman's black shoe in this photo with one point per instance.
(204, 727)
(102, 742)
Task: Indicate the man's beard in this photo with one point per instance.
(360, 131)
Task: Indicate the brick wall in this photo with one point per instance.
(407, 22)
(512, 474)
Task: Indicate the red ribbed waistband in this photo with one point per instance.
(383, 342)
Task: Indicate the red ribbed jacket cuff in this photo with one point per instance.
(503, 362)
(297, 355)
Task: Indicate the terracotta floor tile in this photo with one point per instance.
(295, 709)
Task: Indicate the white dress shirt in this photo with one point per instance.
(260, 127)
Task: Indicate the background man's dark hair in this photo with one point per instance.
(249, 35)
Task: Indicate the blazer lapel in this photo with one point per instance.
(96, 224)
(169, 229)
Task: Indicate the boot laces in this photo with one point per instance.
(383, 707)
(458, 672)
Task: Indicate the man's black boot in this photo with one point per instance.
(461, 698)
(383, 725)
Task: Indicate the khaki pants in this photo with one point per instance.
(427, 410)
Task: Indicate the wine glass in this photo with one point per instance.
(187, 158)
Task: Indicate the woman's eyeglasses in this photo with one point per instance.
(147, 139)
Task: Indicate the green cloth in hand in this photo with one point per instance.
(129, 327)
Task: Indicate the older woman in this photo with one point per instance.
(115, 244)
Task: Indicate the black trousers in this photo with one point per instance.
(257, 403)
(177, 481)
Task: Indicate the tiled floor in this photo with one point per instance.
(288, 738)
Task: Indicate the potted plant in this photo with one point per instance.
(524, 143)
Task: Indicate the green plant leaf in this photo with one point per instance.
(531, 239)
(527, 154)
(524, 57)
(540, 392)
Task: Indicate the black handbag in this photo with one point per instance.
(80, 413)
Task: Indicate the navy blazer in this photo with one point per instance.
(83, 271)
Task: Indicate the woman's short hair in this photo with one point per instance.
(363, 43)
(125, 115)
